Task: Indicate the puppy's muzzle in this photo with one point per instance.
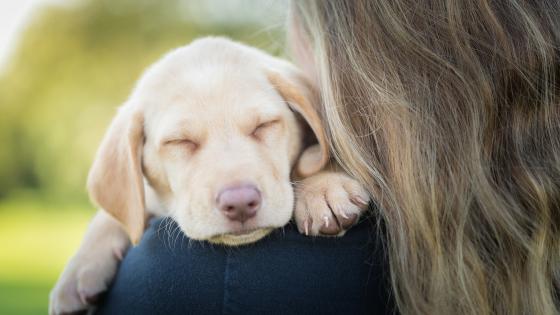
(240, 203)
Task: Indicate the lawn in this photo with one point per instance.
(36, 240)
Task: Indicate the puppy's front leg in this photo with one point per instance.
(90, 271)
(328, 203)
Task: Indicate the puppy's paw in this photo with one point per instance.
(83, 281)
(328, 203)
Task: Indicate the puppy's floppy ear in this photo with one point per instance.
(115, 180)
(299, 94)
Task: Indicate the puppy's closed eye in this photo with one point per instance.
(262, 128)
(182, 143)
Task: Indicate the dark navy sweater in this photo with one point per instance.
(285, 273)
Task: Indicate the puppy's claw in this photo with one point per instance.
(118, 254)
(306, 225)
(90, 299)
(359, 201)
(349, 220)
(326, 220)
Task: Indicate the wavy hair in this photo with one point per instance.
(448, 111)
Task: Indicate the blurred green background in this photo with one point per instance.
(73, 65)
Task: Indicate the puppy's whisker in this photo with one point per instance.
(164, 229)
(177, 234)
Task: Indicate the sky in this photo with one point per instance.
(14, 15)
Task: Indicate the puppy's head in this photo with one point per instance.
(215, 128)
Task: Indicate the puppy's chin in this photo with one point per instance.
(243, 238)
(228, 235)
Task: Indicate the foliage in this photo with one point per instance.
(36, 240)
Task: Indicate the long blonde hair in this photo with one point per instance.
(448, 111)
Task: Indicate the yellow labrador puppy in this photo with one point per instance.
(212, 136)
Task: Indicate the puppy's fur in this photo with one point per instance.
(205, 117)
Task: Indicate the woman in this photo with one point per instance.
(448, 111)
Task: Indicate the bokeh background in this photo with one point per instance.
(67, 68)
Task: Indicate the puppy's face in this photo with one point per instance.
(216, 136)
(219, 145)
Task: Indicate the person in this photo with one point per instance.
(448, 112)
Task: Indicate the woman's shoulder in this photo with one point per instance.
(284, 273)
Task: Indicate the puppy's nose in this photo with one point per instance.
(239, 203)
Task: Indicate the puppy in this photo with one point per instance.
(212, 137)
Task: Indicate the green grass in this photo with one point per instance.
(36, 240)
(24, 298)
